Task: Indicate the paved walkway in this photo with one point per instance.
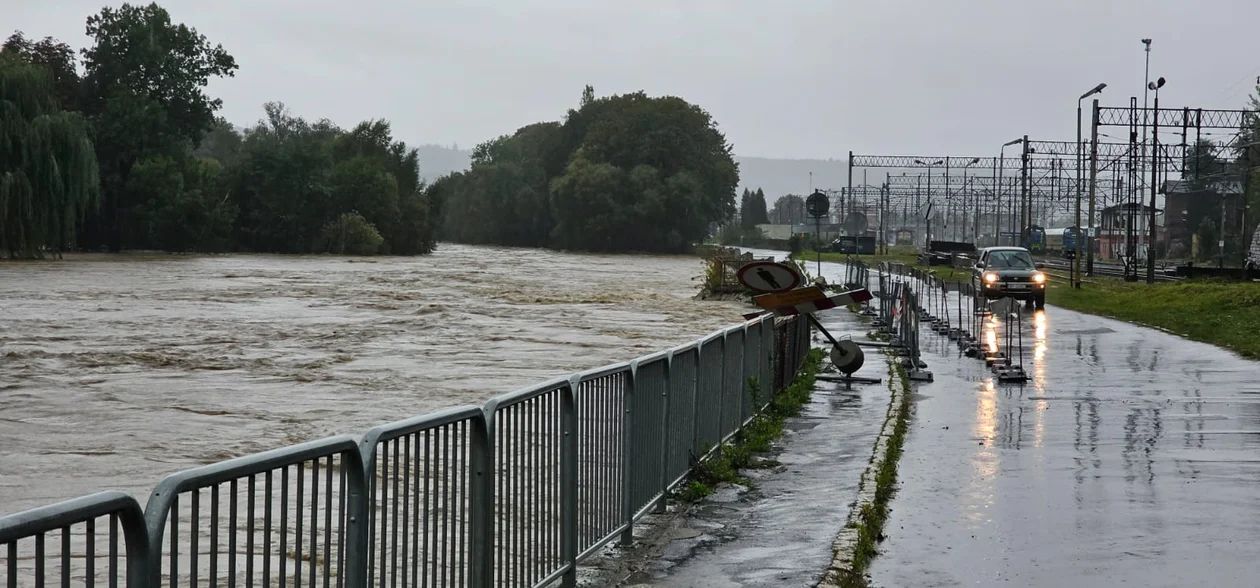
(779, 533)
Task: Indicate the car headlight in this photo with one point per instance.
(1039, 277)
(990, 277)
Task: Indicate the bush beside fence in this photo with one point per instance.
(513, 493)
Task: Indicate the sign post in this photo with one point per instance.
(817, 206)
(926, 211)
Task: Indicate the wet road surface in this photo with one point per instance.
(117, 370)
(1131, 458)
(780, 532)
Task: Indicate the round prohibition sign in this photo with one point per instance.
(769, 276)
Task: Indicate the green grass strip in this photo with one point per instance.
(1222, 313)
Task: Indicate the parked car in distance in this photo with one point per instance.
(1010, 272)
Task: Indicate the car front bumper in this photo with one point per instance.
(1016, 290)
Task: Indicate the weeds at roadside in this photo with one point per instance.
(693, 491)
(873, 515)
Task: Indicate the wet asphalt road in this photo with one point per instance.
(1131, 458)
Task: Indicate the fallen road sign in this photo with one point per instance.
(790, 298)
(853, 297)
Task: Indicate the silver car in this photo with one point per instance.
(1010, 272)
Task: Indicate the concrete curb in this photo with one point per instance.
(846, 542)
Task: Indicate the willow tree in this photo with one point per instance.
(48, 171)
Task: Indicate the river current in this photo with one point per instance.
(118, 369)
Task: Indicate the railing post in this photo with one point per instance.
(569, 484)
(695, 402)
(481, 504)
(744, 388)
(665, 433)
(358, 504)
(627, 486)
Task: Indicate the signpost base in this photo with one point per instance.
(848, 381)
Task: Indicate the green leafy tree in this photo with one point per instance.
(752, 209)
(675, 171)
(504, 198)
(294, 177)
(48, 168)
(178, 178)
(283, 183)
(621, 173)
(56, 57)
(1247, 163)
(760, 212)
(144, 80)
(1203, 166)
(352, 234)
(745, 213)
(221, 143)
(788, 210)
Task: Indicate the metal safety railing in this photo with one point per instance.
(513, 493)
(99, 539)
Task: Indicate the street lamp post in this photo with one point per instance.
(1150, 246)
(1146, 80)
(997, 205)
(928, 234)
(973, 161)
(1080, 159)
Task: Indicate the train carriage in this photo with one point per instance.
(1062, 242)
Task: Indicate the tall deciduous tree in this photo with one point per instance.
(622, 173)
(48, 170)
(144, 80)
(58, 58)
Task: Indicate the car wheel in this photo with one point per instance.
(1041, 301)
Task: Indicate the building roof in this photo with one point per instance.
(1126, 207)
(1185, 186)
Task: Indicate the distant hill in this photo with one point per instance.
(774, 176)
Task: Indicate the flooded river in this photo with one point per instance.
(117, 370)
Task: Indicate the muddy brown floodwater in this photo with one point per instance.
(118, 370)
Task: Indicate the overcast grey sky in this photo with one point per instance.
(794, 78)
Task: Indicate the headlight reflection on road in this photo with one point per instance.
(1039, 350)
(990, 333)
(984, 462)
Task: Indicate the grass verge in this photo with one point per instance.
(873, 515)
(1217, 312)
(755, 438)
(858, 543)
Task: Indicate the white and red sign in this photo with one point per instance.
(769, 276)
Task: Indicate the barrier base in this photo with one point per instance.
(1011, 374)
(920, 375)
(848, 381)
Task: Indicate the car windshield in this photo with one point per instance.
(1010, 260)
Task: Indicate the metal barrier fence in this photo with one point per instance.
(511, 494)
(900, 306)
